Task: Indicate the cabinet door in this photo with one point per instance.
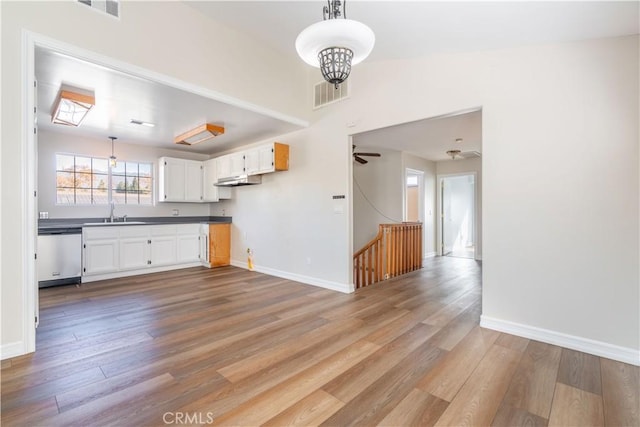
(188, 242)
(164, 246)
(173, 172)
(209, 179)
(133, 247)
(134, 253)
(193, 181)
(223, 167)
(265, 155)
(100, 256)
(237, 164)
(252, 161)
(219, 244)
(163, 250)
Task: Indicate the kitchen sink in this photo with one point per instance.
(115, 223)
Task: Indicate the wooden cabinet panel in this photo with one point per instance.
(219, 244)
(280, 157)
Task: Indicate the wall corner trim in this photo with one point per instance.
(12, 349)
(308, 280)
(597, 348)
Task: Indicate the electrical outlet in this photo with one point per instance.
(175, 212)
(308, 260)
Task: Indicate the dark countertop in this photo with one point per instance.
(74, 223)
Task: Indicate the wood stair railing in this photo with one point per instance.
(396, 250)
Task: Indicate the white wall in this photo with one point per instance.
(454, 167)
(51, 143)
(377, 194)
(290, 220)
(560, 232)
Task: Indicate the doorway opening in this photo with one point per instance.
(457, 215)
(414, 196)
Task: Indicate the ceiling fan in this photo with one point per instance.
(357, 158)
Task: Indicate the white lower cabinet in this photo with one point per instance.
(100, 251)
(188, 243)
(134, 247)
(100, 257)
(117, 251)
(163, 245)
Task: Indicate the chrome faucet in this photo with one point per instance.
(113, 205)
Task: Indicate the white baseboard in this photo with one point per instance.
(430, 254)
(597, 348)
(314, 281)
(12, 349)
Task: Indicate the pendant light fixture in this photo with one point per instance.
(336, 43)
(112, 158)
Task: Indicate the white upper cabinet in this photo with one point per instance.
(193, 181)
(231, 165)
(237, 164)
(211, 192)
(267, 158)
(171, 180)
(181, 180)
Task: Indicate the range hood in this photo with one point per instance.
(237, 181)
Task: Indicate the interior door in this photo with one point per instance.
(458, 216)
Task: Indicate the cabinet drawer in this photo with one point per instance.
(107, 232)
(183, 229)
(134, 231)
(164, 230)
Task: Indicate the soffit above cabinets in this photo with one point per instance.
(120, 97)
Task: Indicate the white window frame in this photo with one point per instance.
(109, 175)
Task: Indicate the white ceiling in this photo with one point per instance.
(429, 138)
(403, 30)
(121, 97)
(406, 29)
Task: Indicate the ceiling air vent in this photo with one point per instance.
(325, 93)
(469, 154)
(110, 7)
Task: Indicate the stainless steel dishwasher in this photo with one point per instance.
(59, 256)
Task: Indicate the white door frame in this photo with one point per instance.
(421, 202)
(439, 179)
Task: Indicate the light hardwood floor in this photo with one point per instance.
(232, 347)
